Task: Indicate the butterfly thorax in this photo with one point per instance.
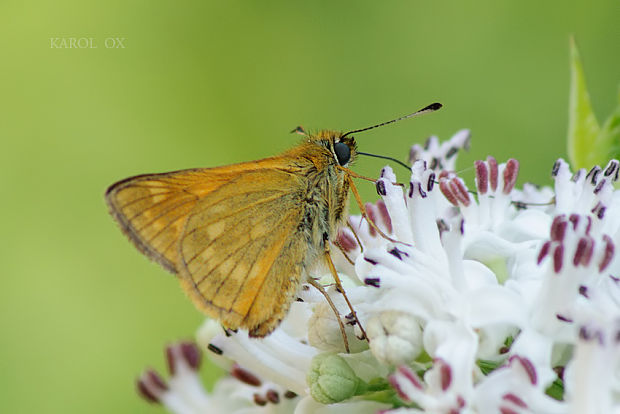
(324, 193)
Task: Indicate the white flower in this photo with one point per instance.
(503, 300)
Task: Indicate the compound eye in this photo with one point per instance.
(343, 152)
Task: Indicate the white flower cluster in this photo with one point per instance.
(507, 301)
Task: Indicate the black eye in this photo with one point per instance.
(343, 152)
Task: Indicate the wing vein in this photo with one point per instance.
(245, 207)
(163, 213)
(135, 200)
(262, 283)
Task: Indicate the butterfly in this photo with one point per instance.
(243, 238)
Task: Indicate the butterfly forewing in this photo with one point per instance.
(227, 233)
(240, 253)
(152, 210)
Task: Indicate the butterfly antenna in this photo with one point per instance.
(430, 108)
(385, 158)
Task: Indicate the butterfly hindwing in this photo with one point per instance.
(240, 257)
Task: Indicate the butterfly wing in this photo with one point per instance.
(241, 254)
(230, 233)
(152, 208)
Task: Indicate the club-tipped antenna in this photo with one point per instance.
(430, 108)
(385, 157)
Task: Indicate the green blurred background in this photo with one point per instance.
(204, 83)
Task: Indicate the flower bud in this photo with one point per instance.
(332, 380)
(395, 337)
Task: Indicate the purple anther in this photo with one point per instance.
(150, 386)
(493, 172)
(401, 394)
(579, 251)
(599, 210)
(259, 399)
(445, 174)
(544, 251)
(482, 177)
(574, 219)
(372, 281)
(593, 174)
(398, 253)
(608, 253)
(514, 399)
(273, 396)
(380, 185)
(346, 241)
(511, 172)
(191, 354)
(447, 192)
(372, 262)
(610, 168)
(558, 258)
(215, 349)
(527, 366)
(451, 152)
(446, 375)
(460, 191)
(558, 228)
(430, 184)
(411, 376)
(245, 376)
(588, 246)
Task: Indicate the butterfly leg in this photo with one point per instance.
(320, 288)
(356, 175)
(372, 224)
(344, 252)
(334, 273)
(363, 177)
(357, 239)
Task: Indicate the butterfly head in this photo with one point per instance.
(342, 148)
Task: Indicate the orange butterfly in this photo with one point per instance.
(242, 238)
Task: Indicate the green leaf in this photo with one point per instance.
(583, 149)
